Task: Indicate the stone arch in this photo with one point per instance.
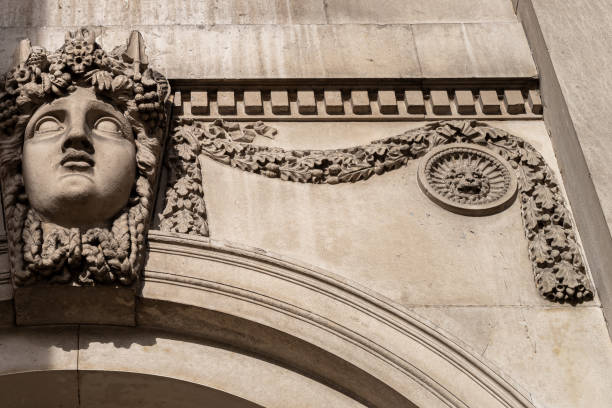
(312, 322)
(239, 324)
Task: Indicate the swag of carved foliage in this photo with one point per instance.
(556, 258)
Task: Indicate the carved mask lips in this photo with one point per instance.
(77, 160)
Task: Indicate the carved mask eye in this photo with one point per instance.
(47, 125)
(108, 125)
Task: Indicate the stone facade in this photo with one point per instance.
(347, 204)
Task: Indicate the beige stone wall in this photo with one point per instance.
(469, 277)
(295, 39)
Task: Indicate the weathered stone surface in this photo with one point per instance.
(252, 102)
(199, 102)
(440, 102)
(226, 102)
(306, 102)
(514, 102)
(249, 281)
(535, 101)
(465, 102)
(415, 103)
(333, 102)
(360, 102)
(33, 349)
(473, 50)
(489, 102)
(161, 13)
(309, 51)
(224, 370)
(387, 103)
(414, 11)
(321, 51)
(280, 102)
(74, 305)
(539, 348)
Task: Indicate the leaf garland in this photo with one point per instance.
(559, 270)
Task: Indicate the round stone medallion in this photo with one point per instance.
(467, 179)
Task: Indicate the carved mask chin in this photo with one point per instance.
(78, 161)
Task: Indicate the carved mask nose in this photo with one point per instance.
(78, 139)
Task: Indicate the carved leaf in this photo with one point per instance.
(531, 214)
(300, 176)
(437, 139)
(184, 221)
(556, 233)
(479, 138)
(530, 179)
(493, 134)
(446, 131)
(562, 216)
(529, 157)
(185, 152)
(244, 164)
(182, 187)
(566, 273)
(539, 248)
(547, 282)
(357, 175)
(545, 197)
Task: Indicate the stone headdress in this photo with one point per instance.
(113, 255)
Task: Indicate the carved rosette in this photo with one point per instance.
(558, 267)
(467, 179)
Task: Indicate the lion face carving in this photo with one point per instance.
(467, 180)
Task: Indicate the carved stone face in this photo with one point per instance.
(79, 161)
(467, 180)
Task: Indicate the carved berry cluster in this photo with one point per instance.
(41, 76)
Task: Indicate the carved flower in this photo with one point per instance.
(78, 63)
(79, 47)
(78, 55)
(23, 74)
(99, 57)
